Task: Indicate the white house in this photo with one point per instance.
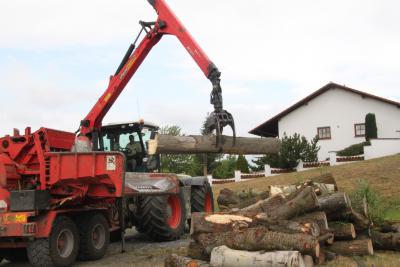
(336, 114)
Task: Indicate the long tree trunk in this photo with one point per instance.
(229, 199)
(386, 241)
(319, 217)
(334, 205)
(265, 205)
(326, 178)
(221, 222)
(195, 144)
(342, 230)
(174, 260)
(259, 238)
(352, 248)
(225, 257)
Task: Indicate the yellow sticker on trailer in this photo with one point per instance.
(15, 218)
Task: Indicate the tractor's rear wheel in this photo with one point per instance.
(202, 199)
(162, 217)
(60, 249)
(94, 237)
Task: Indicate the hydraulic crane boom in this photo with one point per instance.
(167, 23)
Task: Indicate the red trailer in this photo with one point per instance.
(62, 194)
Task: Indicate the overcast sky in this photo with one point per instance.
(56, 57)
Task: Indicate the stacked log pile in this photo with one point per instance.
(297, 227)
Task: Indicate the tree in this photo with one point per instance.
(371, 131)
(242, 165)
(293, 149)
(178, 163)
(225, 168)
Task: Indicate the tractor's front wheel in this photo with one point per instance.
(202, 199)
(162, 217)
(60, 249)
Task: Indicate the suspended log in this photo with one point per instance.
(259, 238)
(229, 199)
(386, 241)
(319, 217)
(180, 261)
(326, 178)
(197, 144)
(265, 205)
(342, 230)
(225, 257)
(360, 247)
(334, 205)
(222, 222)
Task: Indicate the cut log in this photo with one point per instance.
(326, 238)
(180, 261)
(225, 257)
(308, 261)
(305, 201)
(222, 222)
(197, 144)
(319, 188)
(387, 227)
(319, 217)
(326, 178)
(361, 223)
(386, 241)
(196, 251)
(334, 205)
(265, 205)
(259, 238)
(229, 199)
(342, 230)
(352, 248)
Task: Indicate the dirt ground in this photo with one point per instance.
(140, 252)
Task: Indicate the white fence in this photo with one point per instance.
(302, 166)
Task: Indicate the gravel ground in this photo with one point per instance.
(140, 252)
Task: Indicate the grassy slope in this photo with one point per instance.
(382, 174)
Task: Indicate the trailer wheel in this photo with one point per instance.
(60, 249)
(162, 217)
(202, 199)
(94, 237)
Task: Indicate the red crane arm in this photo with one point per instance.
(167, 23)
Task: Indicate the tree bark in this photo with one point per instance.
(229, 199)
(196, 251)
(319, 217)
(342, 230)
(326, 238)
(265, 205)
(195, 144)
(308, 261)
(174, 260)
(222, 222)
(386, 241)
(334, 204)
(223, 256)
(361, 222)
(352, 248)
(326, 178)
(259, 238)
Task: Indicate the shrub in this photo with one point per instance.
(371, 131)
(242, 165)
(353, 150)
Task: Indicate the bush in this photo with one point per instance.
(371, 131)
(225, 168)
(376, 207)
(242, 165)
(353, 150)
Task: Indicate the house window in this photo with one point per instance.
(359, 129)
(324, 132)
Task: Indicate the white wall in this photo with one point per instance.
(382, 147)
(340, 110)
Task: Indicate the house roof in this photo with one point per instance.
(270, 127)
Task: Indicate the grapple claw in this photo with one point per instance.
(217, 120)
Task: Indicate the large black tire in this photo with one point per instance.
(94, 237)
(162, 217)
(60, 249)
(202, 199)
